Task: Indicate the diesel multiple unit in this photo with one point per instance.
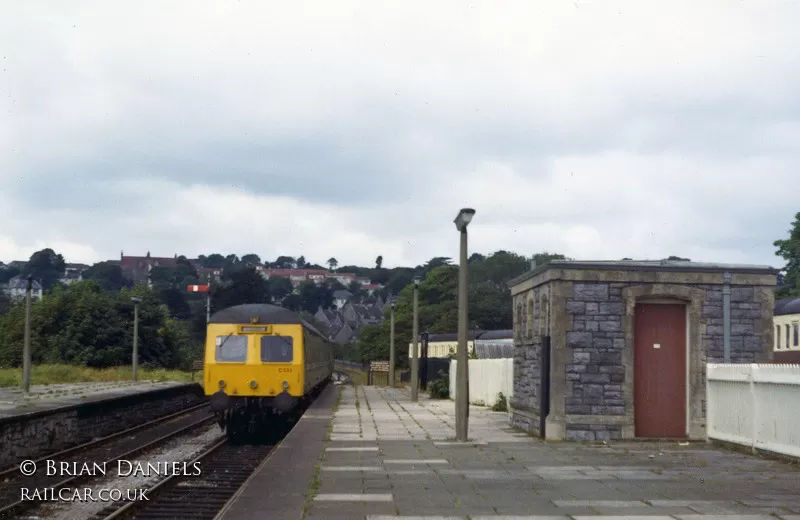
(261, 362)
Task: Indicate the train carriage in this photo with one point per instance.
(263, 363)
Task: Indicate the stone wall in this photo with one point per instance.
(36, 435)
(529, 317)
(592, 330)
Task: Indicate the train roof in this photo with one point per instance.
(266, 313)
(787, 306)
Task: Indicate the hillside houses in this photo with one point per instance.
(343, 325)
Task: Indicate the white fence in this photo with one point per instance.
(487, 378)
(755, 406)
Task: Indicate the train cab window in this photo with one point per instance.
(231, 349)
(277, 349)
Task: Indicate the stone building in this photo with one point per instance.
(629, 341)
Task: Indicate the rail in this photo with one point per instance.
(4, 474)
(225, 468)
(12, 486)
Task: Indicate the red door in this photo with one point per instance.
(659, 370)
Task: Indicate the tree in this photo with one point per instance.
(313, 296)
(214, 260)
(279, 288)
(108, 275)
(546, 258)
(332, 263)
(378, 262)
(678, 258)
(45, 266)
(241, 285)
(251, 259)
(7, 273)
(357, 290)
(789, 250)
(301, 261)
(284, 262)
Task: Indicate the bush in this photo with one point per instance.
(439, 388)
(501, 405)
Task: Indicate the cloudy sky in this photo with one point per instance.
(599, 130)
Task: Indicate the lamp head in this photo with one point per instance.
(136, 299)
(464, 218)
(417, 279)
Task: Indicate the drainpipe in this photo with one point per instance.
(726, 317)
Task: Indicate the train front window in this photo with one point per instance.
(231, 349)
(277, 349)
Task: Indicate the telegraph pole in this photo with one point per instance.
(135, 356)
(208, 299)
(414, 353)
(391, 347)
(26, 349)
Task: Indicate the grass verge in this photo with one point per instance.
(54, 374)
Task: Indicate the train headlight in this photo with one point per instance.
(253, 385)
(285, 385)
(222, 383)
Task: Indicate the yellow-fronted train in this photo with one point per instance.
(263, 365)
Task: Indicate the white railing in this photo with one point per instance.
(487, 378)
(755, 406)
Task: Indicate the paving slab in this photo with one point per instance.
(42, 398)
(393, 458)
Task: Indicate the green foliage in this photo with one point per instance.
(84, 325)
(107, 275)
(789, 250)
(501, 405)
(45, 266)
(439, 388)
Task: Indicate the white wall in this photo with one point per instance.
(487, 378)
(755, 406)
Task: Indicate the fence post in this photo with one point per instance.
(709, 407)
(754, 429)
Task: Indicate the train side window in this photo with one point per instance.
(231, 349)
(788, 336)
(277, 349)
(777, 337)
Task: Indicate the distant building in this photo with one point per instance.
(298, 276)
(18, 286)
(73, 273)
(137, 268)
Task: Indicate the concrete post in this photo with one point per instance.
(414, 353)
(462, 367)
(26, 348)
(135, 357)
(391, 348)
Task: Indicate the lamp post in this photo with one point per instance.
(136, 300)
(414, 353)
(391, 346)
(462, 369)
(26, 346)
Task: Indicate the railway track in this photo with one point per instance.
(121, 445)
(225, 467)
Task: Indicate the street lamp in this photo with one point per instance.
(391, 346)
(136, 301)
(462, 369)
(414, 354)
(26, 346)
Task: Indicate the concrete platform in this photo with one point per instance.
(55, 417)
(386, 457)
(42, 398)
